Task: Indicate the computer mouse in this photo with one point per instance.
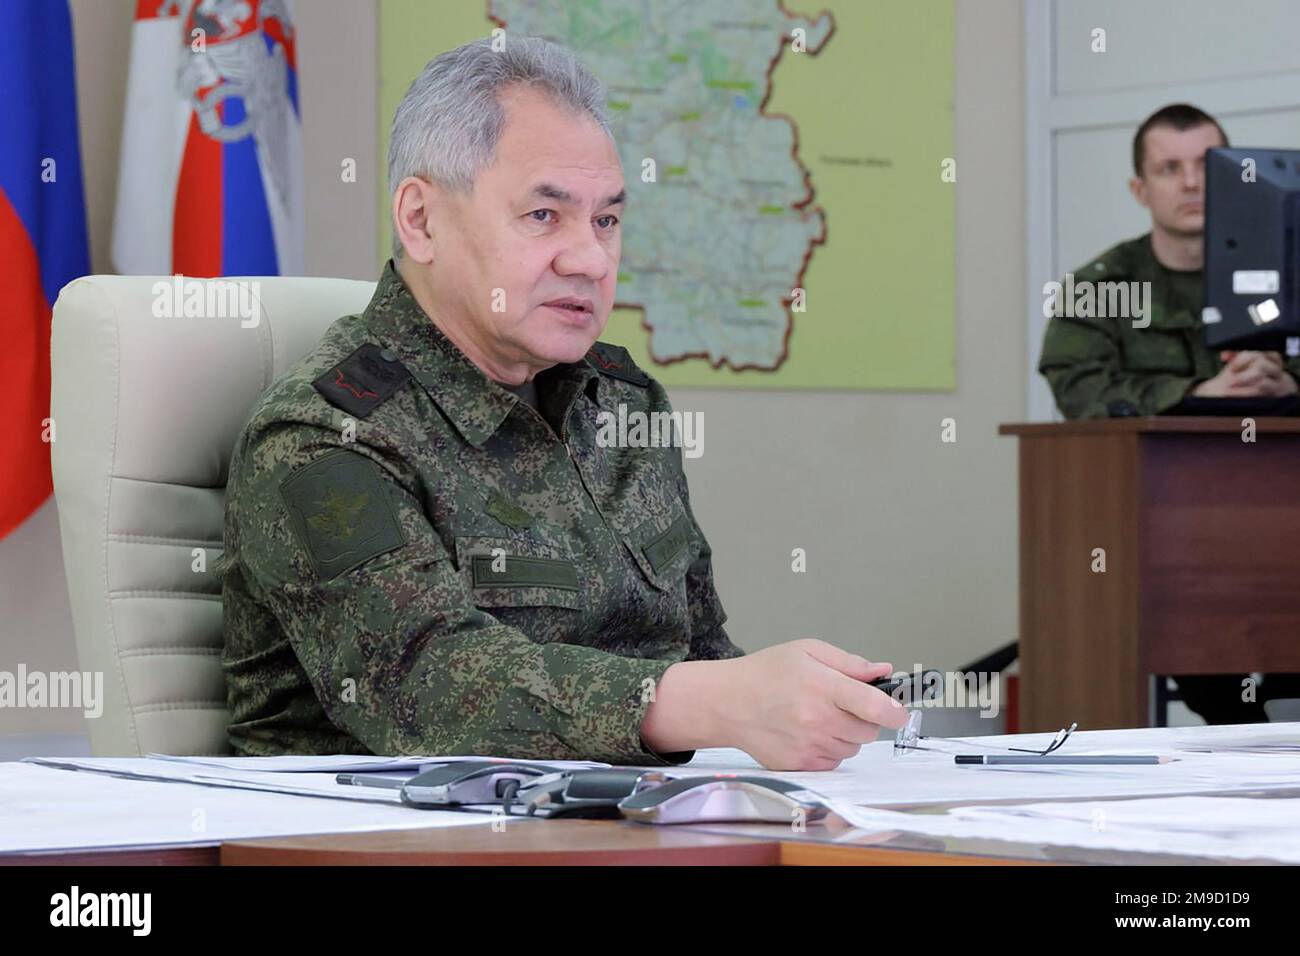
(724, 798)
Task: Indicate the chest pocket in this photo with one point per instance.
(1148, 350)
(508, 572)
(661, 547)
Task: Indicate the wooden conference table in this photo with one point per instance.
(1200, 535)
(537, 842)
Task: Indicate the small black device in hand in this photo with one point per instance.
(914, 682)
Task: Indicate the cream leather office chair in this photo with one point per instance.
(146, 411)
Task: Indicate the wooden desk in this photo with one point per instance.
(537, 842)
(616, 843)
(158, 856)
(1201, 533)
(524, 842)
(594, 843)
(520, 842)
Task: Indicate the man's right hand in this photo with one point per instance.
(1246, 375)
(803, 705)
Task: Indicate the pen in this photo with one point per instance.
(1035, 760)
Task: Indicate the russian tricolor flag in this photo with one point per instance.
(42, 234)
(210, 180)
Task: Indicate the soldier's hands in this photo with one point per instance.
(1263, 371)
(1248, 374)
(804, 705)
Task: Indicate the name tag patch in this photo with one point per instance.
(514, 571)
(664, 548)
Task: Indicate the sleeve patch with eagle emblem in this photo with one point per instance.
(340, 511)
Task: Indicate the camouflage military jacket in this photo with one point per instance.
(1093, 361)
(416, 561)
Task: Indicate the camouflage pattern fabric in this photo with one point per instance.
(418, 562)
(1091, 362)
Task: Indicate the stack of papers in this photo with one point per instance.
(1253, 757)
(303, 776)
(297, 763)
(45, 808)
(1234, 828)
(49, 803)
(1125, 808)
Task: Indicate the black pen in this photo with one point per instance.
(1037, 759)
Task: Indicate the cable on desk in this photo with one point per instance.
(508, 795)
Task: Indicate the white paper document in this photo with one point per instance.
(83, 802)
(149, 768)
(1230, 828)
(297, 763)
(877, 777)
(1148, 815)
(45, 808)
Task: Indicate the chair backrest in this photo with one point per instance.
(146, 410)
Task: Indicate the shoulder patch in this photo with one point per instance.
(364, 380)
(614, 361)
(341, 512)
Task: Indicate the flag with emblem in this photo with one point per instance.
(210, 181)
(42, 234)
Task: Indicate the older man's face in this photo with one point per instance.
(532, 251)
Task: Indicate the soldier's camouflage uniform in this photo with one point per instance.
(1092, 362)
(459, 578)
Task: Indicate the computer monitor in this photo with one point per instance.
(1252, 253)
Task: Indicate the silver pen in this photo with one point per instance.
(361, 780)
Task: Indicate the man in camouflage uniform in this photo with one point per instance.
(429, 547)
(1095, 363)
(1123, 365)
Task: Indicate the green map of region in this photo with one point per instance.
(790, 178)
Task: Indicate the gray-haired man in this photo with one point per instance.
(428, 550)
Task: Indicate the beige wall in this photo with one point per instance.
(911, 542)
